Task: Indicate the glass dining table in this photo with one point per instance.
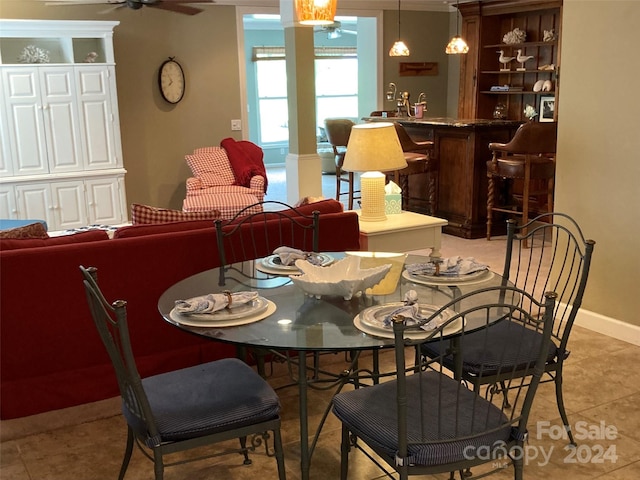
(295, 322)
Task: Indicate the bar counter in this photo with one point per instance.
(461, 147)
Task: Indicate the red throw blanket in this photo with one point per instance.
(246, 161)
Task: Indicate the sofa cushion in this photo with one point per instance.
(144, 214)
(211, 160)
(246, 159)
(153, 228)
(33, 230)
(82, 237)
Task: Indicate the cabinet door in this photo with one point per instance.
(25, 124)
(69, 204)
(105, 200)
(6, 165)
(99, 130)
(62, 129)
(34, 202)
(8, 207)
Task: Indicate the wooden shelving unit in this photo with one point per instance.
(484, 25)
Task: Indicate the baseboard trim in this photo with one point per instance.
(609, 326)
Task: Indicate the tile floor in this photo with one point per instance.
(86, 442)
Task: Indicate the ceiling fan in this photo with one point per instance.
(178, 6)
(335, 30)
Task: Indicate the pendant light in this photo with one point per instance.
(399, 49)
(316, 12)
(457, 44)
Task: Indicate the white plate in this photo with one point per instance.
(206, 320)
(252, 308)
(374, 316)
(271, 265)
(469, 279)
(450, 329)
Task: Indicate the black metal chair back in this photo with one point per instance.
(257, 235)
(426, 421)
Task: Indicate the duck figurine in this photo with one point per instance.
(504, 60)
(522, 58)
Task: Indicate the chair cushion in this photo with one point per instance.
(449, 411)
(228, 203)
(144, 214)
(521, 349)
(205, 399)
(211, 160)
(513, 167)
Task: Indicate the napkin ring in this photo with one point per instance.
(229, 298)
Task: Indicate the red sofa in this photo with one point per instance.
(50, 353)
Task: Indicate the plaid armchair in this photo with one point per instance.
(214, 185)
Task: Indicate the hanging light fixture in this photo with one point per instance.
(316, 12)
(399, 49)
(457, 44)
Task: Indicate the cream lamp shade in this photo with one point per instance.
(316, 12)
(373, 148)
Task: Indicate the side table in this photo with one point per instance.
(402, 232)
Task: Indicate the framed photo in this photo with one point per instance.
(547, 108)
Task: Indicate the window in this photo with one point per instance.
(336, 71)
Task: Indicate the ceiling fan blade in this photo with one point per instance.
(175, 7)
(86, 2)
(186, 1)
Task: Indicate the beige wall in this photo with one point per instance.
(598, 176)
(426, 34)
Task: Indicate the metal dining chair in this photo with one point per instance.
(426, 422)
(188, 408)
(550, 253)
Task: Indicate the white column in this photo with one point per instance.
(303, 164)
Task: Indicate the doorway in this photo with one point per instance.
(346, 69)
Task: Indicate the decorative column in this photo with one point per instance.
(303, 164)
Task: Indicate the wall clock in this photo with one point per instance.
(171, 81)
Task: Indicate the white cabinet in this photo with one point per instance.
(43, 127)
(66, 204)
(60, 149)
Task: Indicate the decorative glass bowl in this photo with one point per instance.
(343, 278)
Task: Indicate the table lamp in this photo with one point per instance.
(373, 148)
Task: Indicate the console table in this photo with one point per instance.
(402, 232)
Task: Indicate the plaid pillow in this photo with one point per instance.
(143, 214)
(212, 160)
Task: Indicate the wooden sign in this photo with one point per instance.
(418, 69)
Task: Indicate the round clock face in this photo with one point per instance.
(171, 81)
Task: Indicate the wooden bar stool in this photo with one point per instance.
(338, 131)
(419, 161)
(530, 157)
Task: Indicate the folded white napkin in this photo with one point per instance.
(411, 312)
(289, 255)
(214, 302)
(452, 266)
